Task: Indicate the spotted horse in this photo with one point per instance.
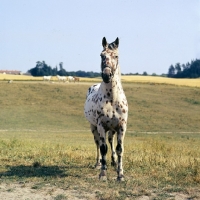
(106, 109)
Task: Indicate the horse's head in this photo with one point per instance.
(109, 59)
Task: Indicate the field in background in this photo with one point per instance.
(162, 80)
(7, 77)
(45, 140)
(133, 79)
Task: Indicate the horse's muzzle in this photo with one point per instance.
(106, 74)
(106, 77)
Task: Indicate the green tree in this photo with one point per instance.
(178, 68)
(144, 74)
(61, 66)
(41, 69)
(171, 71)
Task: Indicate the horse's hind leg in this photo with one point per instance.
(111, 135)
(96, 140)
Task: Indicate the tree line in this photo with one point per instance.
(42, 69)
(188, 70)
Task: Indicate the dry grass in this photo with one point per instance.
(45, 139)
(160, 164)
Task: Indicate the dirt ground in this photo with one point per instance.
(26, 192)
(17, 191)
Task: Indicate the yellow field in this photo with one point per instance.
(162, 80)
(7, 77)
(137, 79)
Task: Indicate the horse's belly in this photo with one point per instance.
(89, 113)
(91, 119)
(90, 110)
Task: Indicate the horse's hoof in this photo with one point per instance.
(102, 176)
(120, 178)
(97, 166)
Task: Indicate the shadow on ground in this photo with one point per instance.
(34, 171)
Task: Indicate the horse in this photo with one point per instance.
(106, 109)
(61, 78)
(46, 78)
(70, 78)
(76, 79)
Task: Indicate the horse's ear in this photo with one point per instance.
(104, 42)
(116, 42)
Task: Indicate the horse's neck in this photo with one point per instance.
(113, 89)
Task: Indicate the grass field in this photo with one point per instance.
(45, 140)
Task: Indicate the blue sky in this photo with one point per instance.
(153, 33)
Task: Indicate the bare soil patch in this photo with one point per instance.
(22, 191)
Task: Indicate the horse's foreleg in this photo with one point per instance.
(120, 151)
(96, 140)
(103, 150)
(111, 135)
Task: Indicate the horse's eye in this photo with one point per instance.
(116, 56)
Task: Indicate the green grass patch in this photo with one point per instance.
(45, 106)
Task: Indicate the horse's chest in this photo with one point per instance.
(110, 114)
